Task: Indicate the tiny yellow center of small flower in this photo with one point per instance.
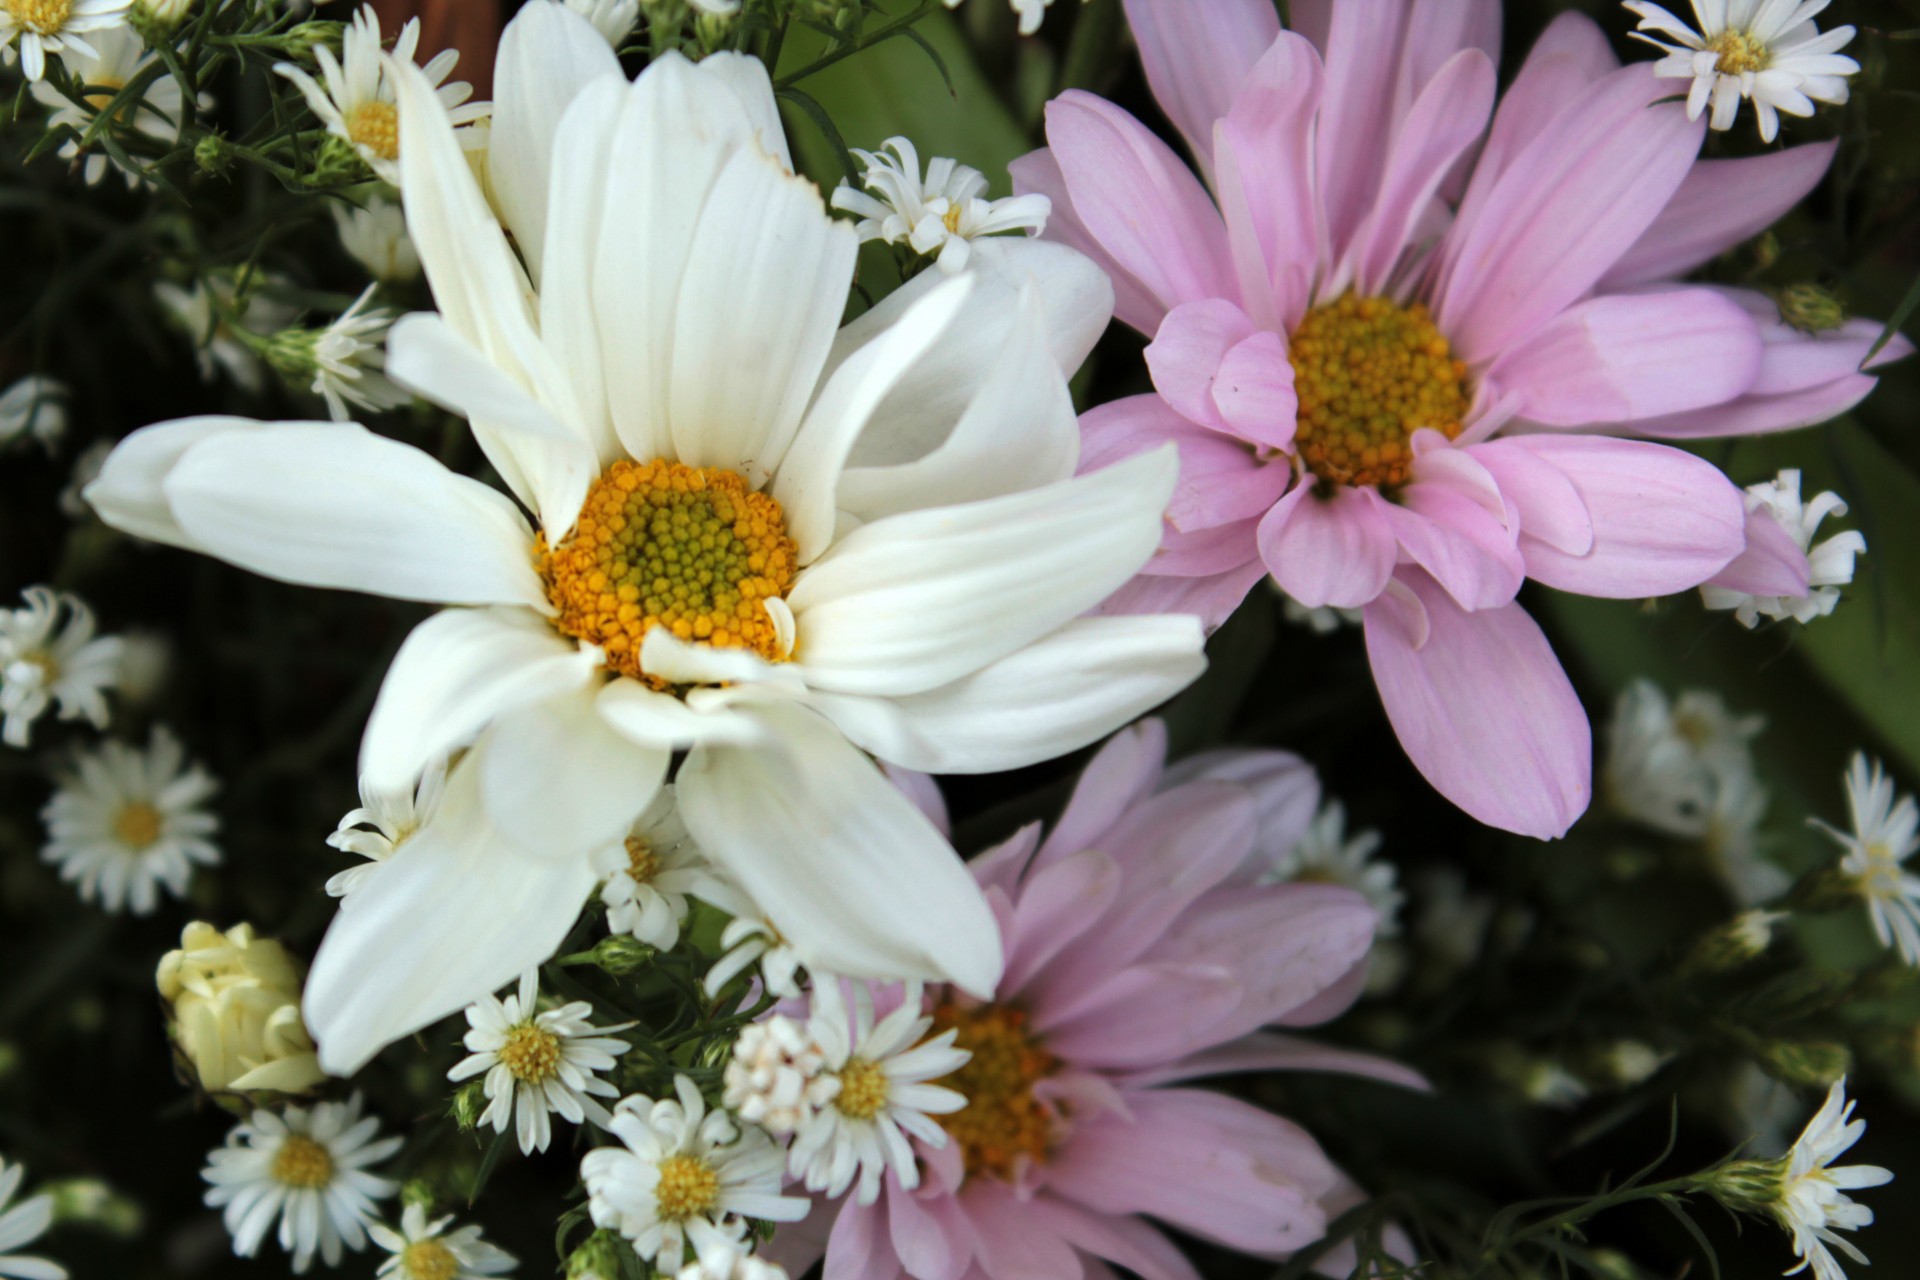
(108, 87)
(1739, 53)
(1315, 873)
(642, 862)
(376, 126)
(531, 1053)
(661, 544)
(1369, 373)
(863, 1089)
(429, 1260)
(688, 1187)
(302, 1162)
(47, 17)
(1002, 1120)
(951, 218)
(137, 825)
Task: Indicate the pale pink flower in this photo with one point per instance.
(1140, 956)
(1519, 270)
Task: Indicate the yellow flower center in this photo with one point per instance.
(1369, 373)
(109, 87)
(302, 1162)
(1739, 53)
(1002, 1120)
(642, 862)
(47, 17)
(429, 1260)
(951, 218)
(376, 126)
(688, 1187)
(531, 1053)
(137, 825)
(863, 1089)
(661, 544)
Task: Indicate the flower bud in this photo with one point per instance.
(1747, 1186)
(235, 1011)
(1810, 309)
(1807, 1063)
(1738, 942)
(417, 1191)
(95, 1204)
(155, 21)
(597, 1258)
(212, 154)
(469, 1100)
(620, 954)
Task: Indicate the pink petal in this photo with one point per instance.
(1197, 56)
(1271, 1051)
(1482, 708)
(930, 1237)
(1722, 203)
(1186, 352)
(1253, 391)
(1438, 31)
(1335, 550)
(1264, 155)
(1203, 1163)
(1006, 1241)
(1212, 597)
(1001, 867)
(1123, 1239)
(1286, 793)
(1222, 483)
(1038, 172)
(857, 1248)
(1334, 1001)
(1139, 201)
(1058, 902)
(1356, 112)
(1632, 356)
(1663, 520)
(1452, 522)
(1146, 1014)
(1118, 430)
(1224, 549)
(1540, 496)
(1127, 769)
(1572, 203)
(1771, 565)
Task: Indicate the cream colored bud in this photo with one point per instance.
(235, 1001)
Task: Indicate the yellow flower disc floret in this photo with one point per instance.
(429, 1260)
(1369, 373)
(1739, 53)
(531, 1053)
(661, 544)
(376, 126)
(46, 17)
(1003, 1120)
(688, 1186)
(863, 1089)
(302, 1162)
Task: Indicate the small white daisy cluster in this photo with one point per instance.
(1685, 767)
(20, 1226)
(51, 658)
(1886, 832)
(423, 1249)
(940, 214)
(653, 873)
(1768, 51)
(1777, 503)
(118, 56)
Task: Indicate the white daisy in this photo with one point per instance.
(776, 1076)
(383, 822)
(375, 235)
(685, 1176)
(307, 1169)
(34, 408)
(32, 29)
(751, 938)
(423, 1250)
(940, 214)
(217, 347)
(1325, 855)
(1812, 1202)
(356, 100)
(767, 543)
(537, 1063)
(725, 1260)
(119, 55)
(20, 1226)
(1667, 761)
(49, 657)
(347, 359)
(1781, 528)
(126, 823)
(613, 19)
(884, 1096)
(1766, 50)
(1886, 832)
(652, 872)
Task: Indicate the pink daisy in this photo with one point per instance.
(1140, 955)
(1398, 336)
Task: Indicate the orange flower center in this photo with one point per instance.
(1002, 1121)
(1369, 373)
(661, 544)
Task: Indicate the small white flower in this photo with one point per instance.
(942, 214)
(217, 347)
(125, 822)
(750, 938)
(684, 1176)
(536, 1063)
(21, 1226)
(33, 408)
(1813, 1203)
(613, 19)
(725, 1260)
(1030, 12)
(1548, 1084)
(1830, 565)
(393, 819)
(376, 237)
(347, 359)
(307, 1168)
(883, 1069)
(32, 29)
(423, 1250)
(119, 56)
(1886, 832)
(1766, 50)
(651, 874)
(47, 661)
(357, 102)
(1666, 761)
(1325, 855)
(777, 1076)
